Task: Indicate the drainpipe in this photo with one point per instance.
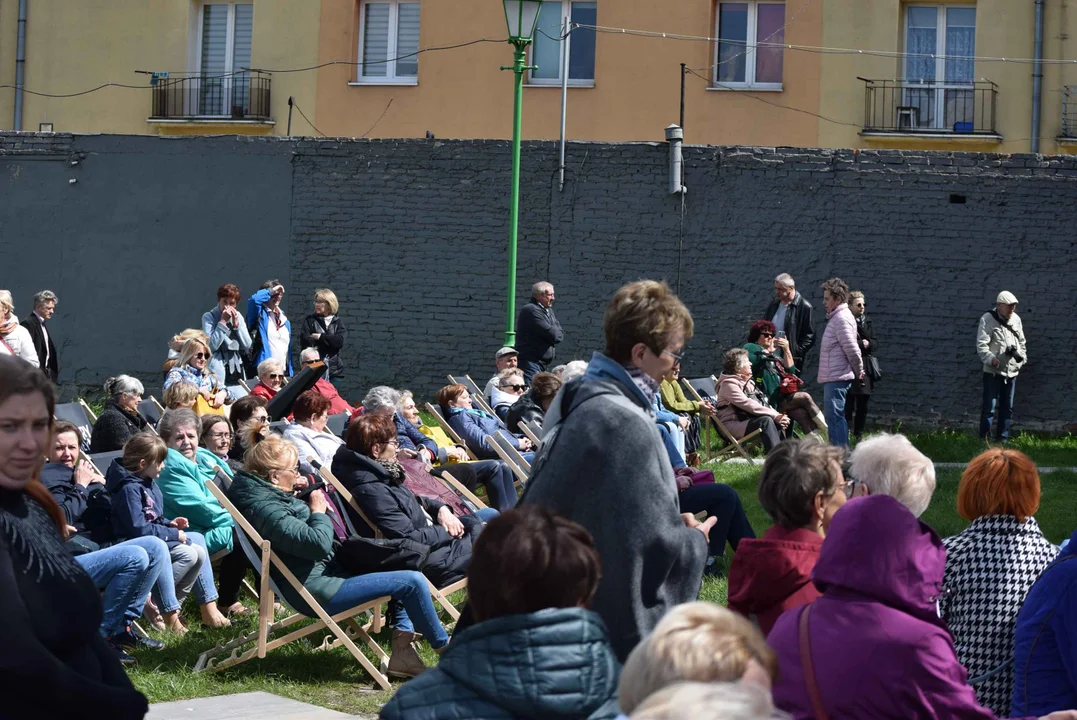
(20, 66)
(1037, 76)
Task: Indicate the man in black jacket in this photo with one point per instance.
(537, 331)
(791, 314)
(44, 307)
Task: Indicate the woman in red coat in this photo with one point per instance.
(801, 488)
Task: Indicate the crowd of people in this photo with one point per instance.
(584, 579)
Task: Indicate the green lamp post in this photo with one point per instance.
(521, 16)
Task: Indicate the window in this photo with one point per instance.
(745, 56)
(554, 20)
(940, 41)
(388, 43)
(224, 51)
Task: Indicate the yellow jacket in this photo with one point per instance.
(440, 438)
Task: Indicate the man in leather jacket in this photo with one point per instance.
(791, 313)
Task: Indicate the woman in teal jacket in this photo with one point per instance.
(536, 651)
(183, 483)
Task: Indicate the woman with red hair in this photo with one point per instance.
(229, 340)
(773, 370)
(991, 566)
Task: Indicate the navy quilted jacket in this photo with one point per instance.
(554, 663)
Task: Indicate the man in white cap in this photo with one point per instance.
(504, 358)
(1000, 343)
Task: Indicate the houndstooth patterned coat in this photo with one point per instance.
(990, 567)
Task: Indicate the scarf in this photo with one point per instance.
(646, 384)
(395, 470)
(229, 349)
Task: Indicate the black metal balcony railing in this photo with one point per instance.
(242, 96)
(907, 106)
(1069, 111)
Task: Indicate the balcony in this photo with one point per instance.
(240, 97)
(930, 109)
(1069, 113)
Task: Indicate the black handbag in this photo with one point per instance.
(361, 555)
(875, 372)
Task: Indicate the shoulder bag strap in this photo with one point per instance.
(9, 348)
(809, 668)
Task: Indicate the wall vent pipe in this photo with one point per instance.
(20, 66)
(675, 138)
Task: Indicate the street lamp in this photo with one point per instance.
(521, 16)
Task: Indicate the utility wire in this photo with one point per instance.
(387, 105)
(304, 116)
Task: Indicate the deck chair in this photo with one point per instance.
(80, 415)
(248, 384)
(278, 426)
(238, 391)
(510, 456)
(438, 594)
(699, 389)
(436, 412)
(474, 390)
(151, 410)
(101, 461)
(336, 424)
(223, 482)
(533, 432)
(260, 553)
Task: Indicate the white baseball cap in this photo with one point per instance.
(1006, 298)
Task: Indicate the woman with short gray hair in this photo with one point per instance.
(270, 378)
(886, 464)
(382, 399)
(801, 488)
(120, 419)
(742, 407)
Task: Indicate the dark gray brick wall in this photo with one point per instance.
(412, 236)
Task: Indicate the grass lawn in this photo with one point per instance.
(334, 680)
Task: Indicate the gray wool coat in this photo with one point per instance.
(603, 465)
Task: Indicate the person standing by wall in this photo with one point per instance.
(229, 339)
(44, 306)
(1000, 343)
(537, 331)
(856, 405)
(840, 359)
(325, 331)
(270, 328)
(792, 315)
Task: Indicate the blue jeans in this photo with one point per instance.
(407, 588)
(675, 457)
(530, 369)
(204, 589)
(834, 411)
(487, 514)
(998, 394)
(125, 573)
(498, 480)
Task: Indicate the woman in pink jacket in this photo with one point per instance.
(840, 361)
(742, 406)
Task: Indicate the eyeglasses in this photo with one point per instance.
(675, 356)
(221, 436)
(395, 442)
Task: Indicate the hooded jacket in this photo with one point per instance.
(400, 513)
(772, 574)
(551, 665)
(182, 484)
(137, 507)
(878, 647)
(840, 358)
(602, 464)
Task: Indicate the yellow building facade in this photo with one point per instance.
(811, 73)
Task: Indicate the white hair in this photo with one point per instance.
(43, 297)
(269, 365)
(310, 353)
(573, 370)
(116, 386)
(6, 301)
(709, 701)
(540, 288)
(380, 398)
(891, 465)
(785, 280)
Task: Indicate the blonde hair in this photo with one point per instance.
(267, 451)
(708, 701)
(329, 298)
(6, 302)
(177, 341)
(180, 395)
(645, 311)
(190, 347)
(696, 641)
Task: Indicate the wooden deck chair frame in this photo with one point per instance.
(516, 455)
(733, 445)
(533, 432)
(438, 594)
(222, 481)
(474, 390)
(505, 451)
(267, 626)
(433, 410)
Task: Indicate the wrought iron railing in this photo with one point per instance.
(1069, 111)
(239, 96)
(907, 106)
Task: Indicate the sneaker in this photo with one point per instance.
(125, 659)
(713, 569)
(129, 640)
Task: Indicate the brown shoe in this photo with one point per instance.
(404, 661)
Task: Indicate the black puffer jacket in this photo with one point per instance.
(399, 513)
(114, 428)
(526, 409)
(329, 343)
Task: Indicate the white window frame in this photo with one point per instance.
(941, 86)
(229, 52)
(565, 56)
(749, 49)
(390, 77)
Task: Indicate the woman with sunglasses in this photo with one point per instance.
(120, 419)
(192, 367)
(772, 360)
(270, 379)
(510, 388)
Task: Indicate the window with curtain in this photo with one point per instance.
(939, 69)
(554, 18)
(388, 42)
(748, 52)
(226, 30)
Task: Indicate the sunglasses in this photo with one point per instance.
(201, 356)
(515, 387)
(766, 334)
(275, 376)
(308, 362)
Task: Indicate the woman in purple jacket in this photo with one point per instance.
(840, 360)
(876, 647)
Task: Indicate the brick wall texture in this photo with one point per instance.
(412, 236)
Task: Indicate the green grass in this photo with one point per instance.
(334, 680)
(953, 446)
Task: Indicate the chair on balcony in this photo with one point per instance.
(908, 117)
